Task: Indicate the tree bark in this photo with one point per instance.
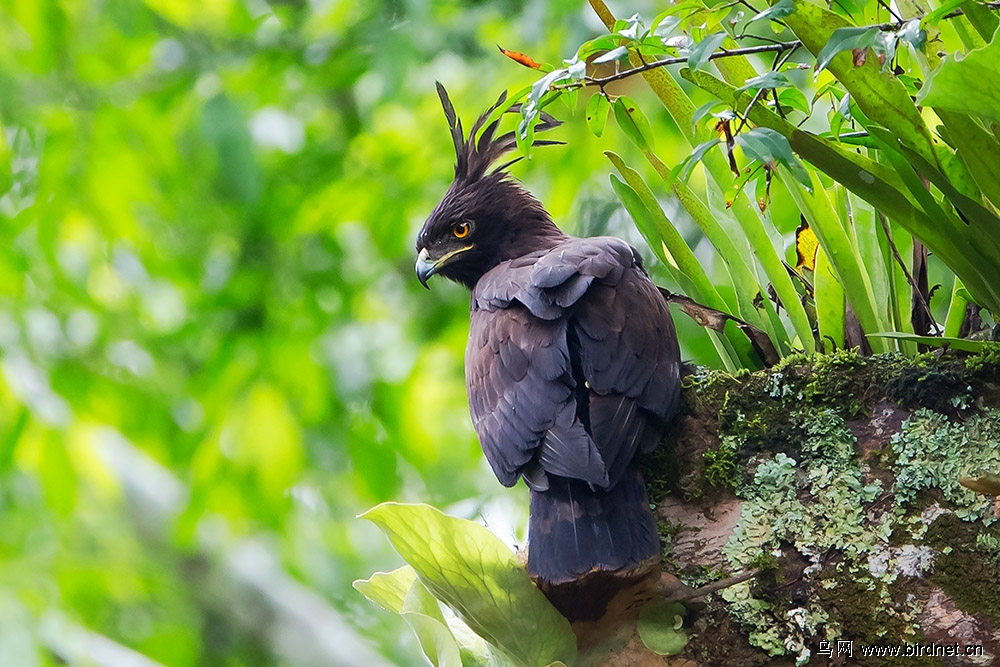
(836, 480)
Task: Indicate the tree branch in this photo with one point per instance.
(601, 81)
(609, 20)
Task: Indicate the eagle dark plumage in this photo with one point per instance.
(572, 364)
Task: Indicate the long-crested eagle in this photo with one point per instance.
(572, 364)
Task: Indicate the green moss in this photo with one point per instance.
(667, 531)
(965, 570)
(721, 466)
(757, 407)
(860, 611)
(986, 360)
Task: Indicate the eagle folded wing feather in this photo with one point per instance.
(618, 427)
(568, 451)
(522, 354)
(517, 375)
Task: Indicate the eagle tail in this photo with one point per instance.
(574, 530)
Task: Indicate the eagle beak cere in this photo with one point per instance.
(427, 267)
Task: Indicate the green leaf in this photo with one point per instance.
(503, 108)
(769, 79)
(878, 94)
(912, 34)
(701, 51)
(602, 43)
(982, 17)
(436, 640)
(469, 569)
(963, 344)
(419, 600)
(661, 627)
(633, 122)
(696, 155)
(534, 102)
(771, 147)
(966, 294)
(613, 54)
(957, 306)
(597, 113)
(845, 39)
(678, 9)
(947, 7)
(671, 249)
(845, 260)
(778, 10)
(400, 591)
(631, 28)
(793, 98)
(978, 148)
(830, 304)
(970, 85)
(388, 589)
(706, 109)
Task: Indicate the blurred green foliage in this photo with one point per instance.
(214, 352)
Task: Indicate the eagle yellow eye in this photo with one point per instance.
(461, 230)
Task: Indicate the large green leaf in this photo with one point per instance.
(422, 611)
(880, 95)
(829, 294)
(978, 148)
(970, 85)
(963, 344)
(468, 568)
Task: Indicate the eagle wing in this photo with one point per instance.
(572, 363)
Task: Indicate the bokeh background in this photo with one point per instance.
(214, 352)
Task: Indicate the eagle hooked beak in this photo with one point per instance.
(427, 267)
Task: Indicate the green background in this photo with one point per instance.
(214, 351)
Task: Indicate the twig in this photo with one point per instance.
(918, 295)
(760, 91)
(602, 81)
(716, 586)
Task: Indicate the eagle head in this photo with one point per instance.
(485, 217)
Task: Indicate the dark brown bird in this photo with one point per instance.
(572, 364)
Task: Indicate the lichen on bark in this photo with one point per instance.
(837, 477)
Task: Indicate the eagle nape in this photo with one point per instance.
(572, 367)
